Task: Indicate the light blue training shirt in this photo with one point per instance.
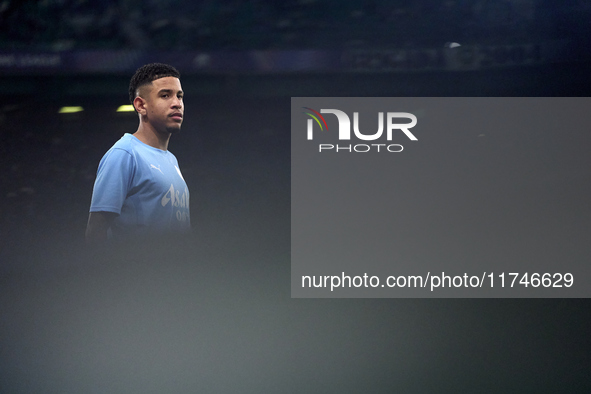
(144, 186)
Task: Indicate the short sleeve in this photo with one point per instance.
(113, 181)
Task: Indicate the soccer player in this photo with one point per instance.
(139, 188)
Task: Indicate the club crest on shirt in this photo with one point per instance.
(179, 171)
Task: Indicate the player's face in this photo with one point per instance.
(165, 105)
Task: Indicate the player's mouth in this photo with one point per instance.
(176, 116)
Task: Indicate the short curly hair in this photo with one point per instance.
(148, 73)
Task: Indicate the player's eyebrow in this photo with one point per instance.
(169, 91)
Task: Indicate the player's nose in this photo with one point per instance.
(177, 102)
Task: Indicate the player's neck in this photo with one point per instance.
(151, 137)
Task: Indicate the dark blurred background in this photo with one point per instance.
(213, 313)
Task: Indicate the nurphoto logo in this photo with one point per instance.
(344, 132)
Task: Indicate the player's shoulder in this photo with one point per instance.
(171, 155)
(128, 145)
(122, 151)
(125, 143)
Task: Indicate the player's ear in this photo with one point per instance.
(140, 105)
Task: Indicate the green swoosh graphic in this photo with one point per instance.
(316, 119)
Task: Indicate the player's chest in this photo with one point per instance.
(159, 174)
